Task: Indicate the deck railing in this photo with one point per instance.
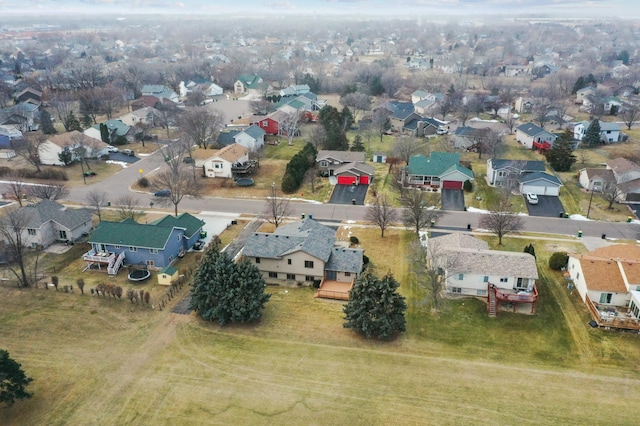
(101, 257)
(518, 298)
(613, 321)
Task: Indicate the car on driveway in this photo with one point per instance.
(112, 149)
(532, 198)
(188, 160)
(199, 245)
(128, 152)
(162, 193)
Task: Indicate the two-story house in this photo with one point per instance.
(220, 165)
(329, 161)
(609, 131)
(534, 137)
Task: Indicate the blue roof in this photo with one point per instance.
(255, 132)
(400, 110)
(227, 138)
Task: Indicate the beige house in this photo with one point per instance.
(221, 164)
(51, 148)
(305, 252)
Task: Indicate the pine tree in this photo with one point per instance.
(13, 380)
(375, 308)
(104, 133)
(46, 123)
(560, 156)
(227, 292)
(592, 136)
(357, 144)
(87, 121)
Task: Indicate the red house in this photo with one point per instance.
(271, 123)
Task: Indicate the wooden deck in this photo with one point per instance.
(612, 318)
(338, 290)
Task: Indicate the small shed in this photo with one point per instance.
(167, 275)
(379, 157)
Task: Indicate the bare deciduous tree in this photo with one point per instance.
(29, 149)
(13, 225)
(276, 208)
(290, 125)
(420, 209)
(179, 182)
(501, 223)
(381, 213)
(127, 207)
(630, 115)
(201, 125)
(53, 191)
(404, 147)
(611, 193)
(429, 263)
(98, 200)
(17, 186)
(357, 102)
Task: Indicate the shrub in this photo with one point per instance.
(467, 186)
(558, 260)
(354, 240)
(120, 140)
(143, 182)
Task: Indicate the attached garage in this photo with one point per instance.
(451, 184)
(540, 183)
(347, 180)
(354, 174)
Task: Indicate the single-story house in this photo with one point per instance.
(154, 245)
(220, 165)
(596, 179)
(148, 116)
(608, 281)
(53, 146)
(49, 221)
(329, 161)
(160, 92)
(609, 131)
(539, 183)
(116, 129)
(441, 170)
(465, 137)
(627, 178)
(534, 137)
(305, 251)
(471, 269)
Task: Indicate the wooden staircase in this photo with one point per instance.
(492, 303)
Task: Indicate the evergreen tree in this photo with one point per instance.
(13, 380)
(375, 308)
(227, 292)
(592, 136)
(87, 121)
(104, 133)
(357, 144)
(46, 123)
(72, 123)
(347, 118)
(65, 156)
(560, 156)
(333, 122)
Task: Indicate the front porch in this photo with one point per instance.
(332, 289)
(607, 316)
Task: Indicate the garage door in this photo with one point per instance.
(346, 180)
(633, 197)
(364, 180)
(451, 184)
(533, 189)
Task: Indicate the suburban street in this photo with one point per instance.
(120, 183)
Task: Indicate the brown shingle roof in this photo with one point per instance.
(70, 138)
(232, 153)
(624, 252)
(602, 275)
(622, 165)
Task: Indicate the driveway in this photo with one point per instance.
(345, 194)
(453, 199)
(548, 206)
(118, 156)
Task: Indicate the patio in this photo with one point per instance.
(330, 289)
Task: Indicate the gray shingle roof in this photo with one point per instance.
(345, 260)
(530, 177)
(47, 210)
(494, 262)
(457, 240)
(524, 166)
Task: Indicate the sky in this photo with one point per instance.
(560, 8)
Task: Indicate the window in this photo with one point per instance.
(308, 263)
(265, 123)
(153, 251)
(150, 263)
(482, 292)
(347, 274)
(504, 280)
(179, 237)
(485, 279)
(171, 259)
(288, 261)
(133, 249)
(460, 277)
(217, 165)
(309, 278)
(578, 276)
(116, 247)
(456, 290)
(31, 231)
(324, 163)
(273, 275)
(606, 297)
(291, 276)
(257, 260)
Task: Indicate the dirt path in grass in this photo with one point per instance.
(104, 400)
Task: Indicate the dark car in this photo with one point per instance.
(162, 193)
(188, 160)
(199, 245)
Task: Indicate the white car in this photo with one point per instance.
(532, 198)
(442, 131)
(112, 149)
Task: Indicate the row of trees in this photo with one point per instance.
(297, 168)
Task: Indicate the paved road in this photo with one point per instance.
(119, 184)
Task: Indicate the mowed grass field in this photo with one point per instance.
(104, 362)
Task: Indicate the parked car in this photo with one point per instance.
(112, 149)
(199, 245)
(442, 131)
(162, 193)
(188, 160)
(128, 152)
(532, 198)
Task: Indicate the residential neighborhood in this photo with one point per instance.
(215, 214)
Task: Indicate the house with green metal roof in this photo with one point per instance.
(440, 170)
(155, 245)
(249, 84)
